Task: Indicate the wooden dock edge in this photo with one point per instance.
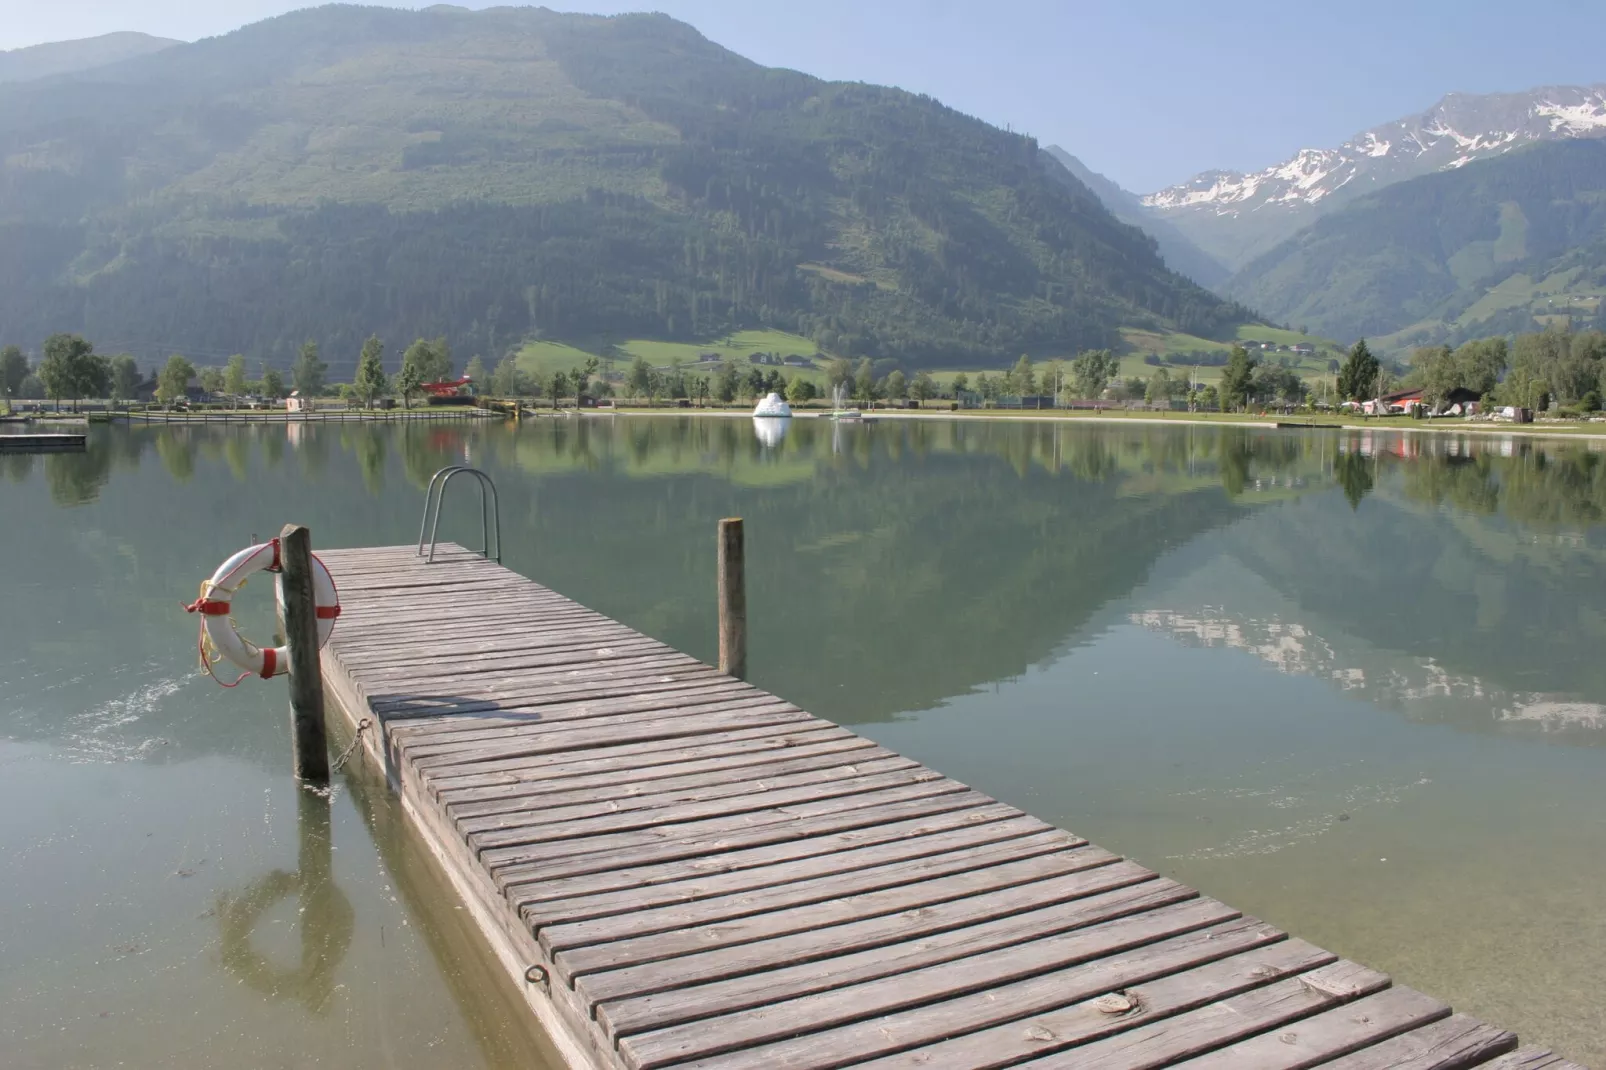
(512, 944)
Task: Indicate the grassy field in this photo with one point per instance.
(543, 358)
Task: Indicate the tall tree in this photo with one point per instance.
(1092, 371)
(13, 370)
(174, 379)
(556, 383)
(475, 373)
(1357, 376)
(726, 382)
(371, 380)
(309, 371)
(1022, 380)
(924, 388)
(1481, 363)
(507, 379)
(431, 358)
(640, 377)
(212, 379)
(272, 383)
(1159, 386)
(66, 369)
(896, 386)
(125, 377)
(1237, 379)
(408, 383)
(961, 384)
(864, 380)
(799, 390)
(234, 376)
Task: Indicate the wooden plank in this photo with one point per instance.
(493, 774)
(1028, 834)
(665, 822)
(699, 839)
(480, 699)
(1325, 1036)
(527, 885)
(1060, 1010)
(603, 731)
(420, 731)
(656, 795)
(859, 894)
(633, 778)
(1209, 1028)
(465, 675)
(564, 717)
(1454, 1043)
(718, 982)
(695, 1041)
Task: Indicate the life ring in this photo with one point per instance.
(218, 632)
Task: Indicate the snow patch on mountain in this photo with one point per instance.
(1459, 129)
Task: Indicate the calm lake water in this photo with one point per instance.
(1350, 683)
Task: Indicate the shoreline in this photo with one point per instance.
(1290, 424)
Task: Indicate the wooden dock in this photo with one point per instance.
(681, 870)
(41, 443)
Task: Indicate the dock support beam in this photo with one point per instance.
(732, 599)
(299, 618)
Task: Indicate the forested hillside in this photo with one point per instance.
(1500, 245)
(64, 57)
(514, 173)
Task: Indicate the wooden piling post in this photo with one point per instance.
(732, 599)
(299, 618)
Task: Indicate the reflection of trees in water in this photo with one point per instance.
(76, 478)
(177, 451)
(366, 442)
(17, 466)
(325, 918)
(1354, 474)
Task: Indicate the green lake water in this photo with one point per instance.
(1351, 683)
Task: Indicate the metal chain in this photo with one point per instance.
(351, 748)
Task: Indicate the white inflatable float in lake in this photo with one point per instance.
(773, 405)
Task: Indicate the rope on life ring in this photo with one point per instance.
(220, 637)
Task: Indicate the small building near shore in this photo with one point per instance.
(296, 402)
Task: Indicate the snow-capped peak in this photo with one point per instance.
(1459, 129)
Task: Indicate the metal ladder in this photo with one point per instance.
(490, 511)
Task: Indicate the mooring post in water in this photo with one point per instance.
(299, 610)
(732, 599)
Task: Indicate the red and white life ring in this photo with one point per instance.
(218, 632)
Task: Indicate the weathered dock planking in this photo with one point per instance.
(681, 870)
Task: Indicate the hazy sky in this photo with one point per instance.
(1147, 91)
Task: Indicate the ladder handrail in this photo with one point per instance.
(490, 510)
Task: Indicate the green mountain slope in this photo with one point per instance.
(65, 57)
(1181, 254)
(1499, 245)
(520, 173)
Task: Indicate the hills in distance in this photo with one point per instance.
(1503, 246)
(1479, 216)
(1235, 217)
(66, 57)
(516, 173)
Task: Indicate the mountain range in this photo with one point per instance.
(1481, 215)
(67, 57)
(516, 173)
(1236, 216)
(1502, 246)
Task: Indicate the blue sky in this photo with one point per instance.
(1147, 92)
